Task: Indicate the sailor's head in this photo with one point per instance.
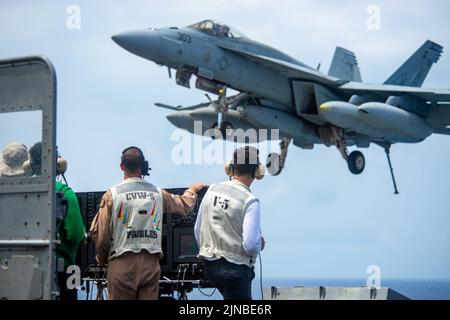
(133, 163)
(245, 163)
(36, 159)
(34, 165)
(12, 159)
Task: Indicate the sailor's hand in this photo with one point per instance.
(196, 187)
(263, 243)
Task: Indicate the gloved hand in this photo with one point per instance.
(196, 187)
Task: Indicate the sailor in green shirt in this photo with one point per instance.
(70, 230)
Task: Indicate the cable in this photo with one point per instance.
(90, 297)
(106, 294)
(98, 280)
(183, 295)
(64, 177)
(260, 276)
(87, 290)
(177, 286)
(205, 294)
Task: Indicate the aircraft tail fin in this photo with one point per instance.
(415, 70)
(345, 65)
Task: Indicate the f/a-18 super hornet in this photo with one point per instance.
(277, 91)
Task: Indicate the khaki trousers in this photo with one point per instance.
(134, 276)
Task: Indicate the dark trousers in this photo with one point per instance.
(234, 281)
(65, 294)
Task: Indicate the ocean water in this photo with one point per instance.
(413, 289)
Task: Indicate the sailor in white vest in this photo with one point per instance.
(128, 227)
(227, 228)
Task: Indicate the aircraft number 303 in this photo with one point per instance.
(184, 37)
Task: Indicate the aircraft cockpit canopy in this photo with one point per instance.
(217, 29)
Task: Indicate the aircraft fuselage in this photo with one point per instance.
(179, 48)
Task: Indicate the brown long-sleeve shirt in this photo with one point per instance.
(100, 227)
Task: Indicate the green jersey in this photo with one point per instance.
(71, 231)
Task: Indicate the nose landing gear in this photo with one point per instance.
(225, 130)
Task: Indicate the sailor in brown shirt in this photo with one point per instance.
(127, 229)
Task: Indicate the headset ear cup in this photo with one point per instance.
(145, 168)
(61, 166)
(229, 169)
(260, 172)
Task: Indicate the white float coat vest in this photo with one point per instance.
(136, 220)
(223, 211)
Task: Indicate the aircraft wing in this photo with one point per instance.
(435, 107)
(433, 96)
(307, 74)
(289, 69)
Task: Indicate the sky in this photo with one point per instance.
(319, 221)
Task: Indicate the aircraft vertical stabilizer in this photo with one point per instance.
(415, 70)
(345, 65)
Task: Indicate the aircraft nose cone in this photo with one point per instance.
(117, 39)
(144, 43)
(125, 39)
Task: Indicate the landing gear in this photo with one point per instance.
(225, 130)
(335, 136)
(387, 150)
(275, 162)
(183, 76)
(356, 162)
(221, 106)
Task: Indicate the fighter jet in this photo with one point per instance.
(276, 91)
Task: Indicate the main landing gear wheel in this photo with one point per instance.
(225, 131)
(336, 136)
(356, 162)
(226, 128)
(273, 164)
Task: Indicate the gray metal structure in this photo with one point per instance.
(27, 203)
(277, 91)
(332, 293)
